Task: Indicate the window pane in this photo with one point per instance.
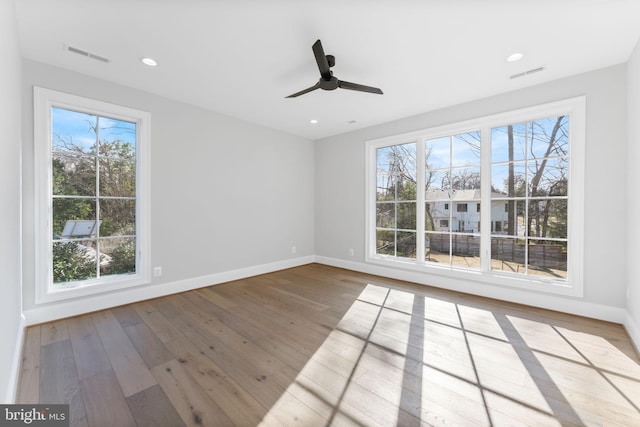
(548, 258)
(509, 143)
(437, 247)
(465, 216)
(508, 180)
(386, 215)
(385, 189)
(438, 182)
(73, 175)
(397, 159)
(117, 178)
(73, 261)
(466, 149)
(438, 153)
(65, 210)
(465, 251)
(118, 217)
(117, 138)
(72, 132)
(407, 186)
(549, 137)
(548, 218)
(466, 179)
(386, 242)
(508, 217)
(507, 254)
(549, 177)
(436, 216)
(120, 256)
(406, 244)
(407, 216)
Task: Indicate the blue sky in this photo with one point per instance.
(77, 127)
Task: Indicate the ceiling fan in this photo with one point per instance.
(327, 80)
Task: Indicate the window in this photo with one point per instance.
(396, 201)
(91, 183)
(525, 166)
(530, 170)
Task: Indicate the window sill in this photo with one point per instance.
(492, 278)
(87, 288)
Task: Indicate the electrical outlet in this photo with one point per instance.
(351, 252)
(294, 249)
(157, 271)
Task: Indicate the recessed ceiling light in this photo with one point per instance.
(313, 121)
(515, 57)
(149, 61)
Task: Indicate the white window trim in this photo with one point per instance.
(44, 100)
(576, 108)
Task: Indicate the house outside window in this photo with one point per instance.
(91, 183)
(515, 163)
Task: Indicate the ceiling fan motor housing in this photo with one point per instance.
(330, 84)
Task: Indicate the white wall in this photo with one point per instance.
(633, 192)
(226, 195)
(10, 143)
(340, 191)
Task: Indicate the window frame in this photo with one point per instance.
(573, 285)
(46, 290)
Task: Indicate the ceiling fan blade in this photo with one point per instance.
(321, 60)
(361, 88)
(307, 90)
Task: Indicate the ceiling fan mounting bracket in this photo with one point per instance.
(331, 60)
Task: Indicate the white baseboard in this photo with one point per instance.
(55, 311)
(16, 364)
(633, 330)
(546, 301)
(50, 312)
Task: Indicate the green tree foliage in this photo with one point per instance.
(123, 259)
(70, 262)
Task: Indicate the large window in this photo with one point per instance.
(91, 177)
(526, 167)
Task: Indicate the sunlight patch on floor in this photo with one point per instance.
(397, 358)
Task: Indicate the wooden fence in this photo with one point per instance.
(542, 255)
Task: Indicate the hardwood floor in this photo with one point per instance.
(317, 345)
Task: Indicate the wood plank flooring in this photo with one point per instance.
(316, 345)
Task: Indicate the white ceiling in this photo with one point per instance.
(242, 57)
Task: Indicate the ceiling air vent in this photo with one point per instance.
(526, 73)
(87, 54)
